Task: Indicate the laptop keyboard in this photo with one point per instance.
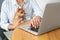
(29, 28)
(34, 29)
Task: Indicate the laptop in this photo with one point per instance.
(50, 20)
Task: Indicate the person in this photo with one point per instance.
(9, 8)
(2, 36)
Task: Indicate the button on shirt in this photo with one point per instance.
(9, 8)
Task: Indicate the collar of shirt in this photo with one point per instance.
(16, 4)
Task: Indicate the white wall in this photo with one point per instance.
(42, 3)
(0, 8)
(0, 4)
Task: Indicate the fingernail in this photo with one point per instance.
(35, 27)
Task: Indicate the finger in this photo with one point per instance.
(39, 20)
(34, 23)
(30, 24)
(20, 20)
(37, 24)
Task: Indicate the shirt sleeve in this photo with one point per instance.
(36, 8)
(4, 18)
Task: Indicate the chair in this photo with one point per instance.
(2, 36)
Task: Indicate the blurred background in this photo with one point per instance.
(0, 8)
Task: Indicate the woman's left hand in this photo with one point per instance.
(35, 22)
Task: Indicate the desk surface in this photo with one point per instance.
(20, 34)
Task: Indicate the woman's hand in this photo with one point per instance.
(35, 22)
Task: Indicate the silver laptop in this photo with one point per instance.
(50, 20)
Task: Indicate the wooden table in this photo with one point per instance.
(20, 34)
